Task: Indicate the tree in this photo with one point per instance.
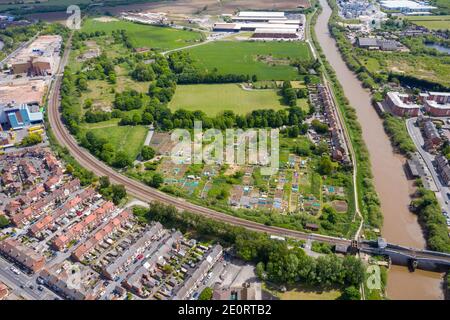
(156, 181)
(147, 153)
(325, 166)
(206, 294)
(319, 127)
(31, 140)
(69, 168)
(104, 182)
(143, 72)
(122, 160)
(118, 193)
(4, 222)
(354, 270)
(293, 132)
(260, 271)
(350, 293)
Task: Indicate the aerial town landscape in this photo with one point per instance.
(235, 150)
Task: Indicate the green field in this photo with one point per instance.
(431, 22)
(125, 138)
(141, 35)
(215, 98)
(268, 60)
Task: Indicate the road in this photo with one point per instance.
(20, 283)
(416, 136)
(143, 192)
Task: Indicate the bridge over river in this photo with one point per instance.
(413, 258)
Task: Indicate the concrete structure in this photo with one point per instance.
(405, 6)
(22, 255)
(437, 104)
(39, 58)
(401, 104)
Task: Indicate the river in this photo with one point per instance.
(400, 225)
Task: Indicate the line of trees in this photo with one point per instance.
(430, 216)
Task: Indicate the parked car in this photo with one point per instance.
(15, 270)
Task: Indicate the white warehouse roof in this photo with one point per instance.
(407, 4)
(261, 14)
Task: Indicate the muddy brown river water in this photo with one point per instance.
(400, 225)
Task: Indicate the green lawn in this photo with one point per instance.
(123, 138)
(215, 98)
(241, 57)
(431, 22)
(145, 35)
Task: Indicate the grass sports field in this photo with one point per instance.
(145, 35)
(124, 138)
(431, 22)
(268, 60)
(215, 98)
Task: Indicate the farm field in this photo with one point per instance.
(215, 98)
(124, 138)
(160, 38)
(431, 22)
(267, 60)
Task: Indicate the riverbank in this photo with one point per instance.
(400, 225)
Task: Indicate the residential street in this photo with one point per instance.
(428, 158)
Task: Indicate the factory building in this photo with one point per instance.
(39, 58)
(405, 6)
(20, 104)
(265, 25)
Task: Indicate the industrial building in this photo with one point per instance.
(265, 25)
(401, 104)
(379, 44)
(259, 16)
(405, 6)
(20, 104)
(39, 58)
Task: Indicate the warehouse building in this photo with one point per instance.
(259, 16)
(405, 6)
(39, 58)
(379, 44)
(265, 25)
(20, 104)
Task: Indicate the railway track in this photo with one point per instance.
(143, 192)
